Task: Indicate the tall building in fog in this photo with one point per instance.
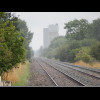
(49, 34)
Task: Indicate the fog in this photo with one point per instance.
(37, 21)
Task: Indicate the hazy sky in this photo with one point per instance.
(36, 21)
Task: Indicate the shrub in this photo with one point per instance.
(95, 51)
(84, 55)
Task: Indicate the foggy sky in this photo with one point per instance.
(36, 21)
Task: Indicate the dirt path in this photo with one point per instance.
(37, 76)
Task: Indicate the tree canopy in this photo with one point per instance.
(14, 41)
(81, 42)
(77, 29)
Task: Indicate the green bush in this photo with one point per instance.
(95, 51)
(84, 55)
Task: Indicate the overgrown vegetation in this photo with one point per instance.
(19, 75)
(14, 41)
(81, 42)
(23, 78)
(89, 65)
(54, 46)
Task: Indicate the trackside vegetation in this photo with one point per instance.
(14, 41)
(81, 42)
(18, 75)
(24, 76)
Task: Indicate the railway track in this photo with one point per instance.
(67, 81)
(77, 66)
(86, 77)
(89, 71)
(53, 81)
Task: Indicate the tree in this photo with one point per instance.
(21, 26)
(76, 29)
(95, 29)
(51, 51)
(61, 53)
(84, 55)
(68, 51)
(95, 51)
(58, 41)
(12, 49)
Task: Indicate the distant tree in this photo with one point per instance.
(84, 55)
(50, 52)
(68, 51)
(21, 26)
(58, 41)
(77, 29)
(81, 42)
(61, 53)
(95, 51)
(95, 29)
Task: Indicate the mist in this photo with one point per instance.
(36, 21)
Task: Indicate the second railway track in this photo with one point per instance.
(58, 77)
(85, 78)
(53, 81)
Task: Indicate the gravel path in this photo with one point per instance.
(37, 76)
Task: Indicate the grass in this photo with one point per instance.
(90, 65)
(18, 76)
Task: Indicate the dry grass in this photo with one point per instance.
(15, 73)
(92, 65)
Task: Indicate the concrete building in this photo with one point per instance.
(49, 34)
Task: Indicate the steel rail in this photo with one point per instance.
(80, 83)
(48, 74)
(78, 69)
(86, 84)
(81, 67)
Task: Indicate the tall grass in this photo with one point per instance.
(92, 65)
(18, 76)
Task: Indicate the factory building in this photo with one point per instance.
(49, 34)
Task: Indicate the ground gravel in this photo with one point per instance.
(61, 79)
(37, 76)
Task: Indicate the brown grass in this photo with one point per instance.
(90, 65)
(13, 75)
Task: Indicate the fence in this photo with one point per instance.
(5, 83)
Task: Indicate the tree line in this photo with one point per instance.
(81, 42)
(14, 41)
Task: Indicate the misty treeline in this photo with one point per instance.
(14, 41)
(81, 42)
